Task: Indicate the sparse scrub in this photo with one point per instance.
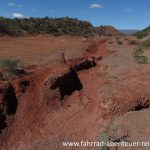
(9, 64)
(104, 138)
(133, 42)
(142, 59)
(117, 38)
(141, 34)
(9, 67)
(139, 57)
(138, 51)
(119, 41)
(146, 44)
(113, 134)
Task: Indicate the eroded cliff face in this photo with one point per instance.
(73, 100)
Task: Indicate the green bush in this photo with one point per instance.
(146, 44)
(138, 51)
(9, 67)
(105, 138)
(141, 34)
(9, 64)
(139, 57)
(142, 59)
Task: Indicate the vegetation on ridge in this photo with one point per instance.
(143, 33)
(54, 26)
(57, 26)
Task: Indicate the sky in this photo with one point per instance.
(122, 14)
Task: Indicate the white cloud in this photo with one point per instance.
(128, 9)
(92, 6)
(11, 4)
(18, 15)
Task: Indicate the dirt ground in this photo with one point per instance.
(42, 49)
(83, 87)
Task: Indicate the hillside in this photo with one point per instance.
(143, 33)
(54, 26)
(59, 26)
(107, 30)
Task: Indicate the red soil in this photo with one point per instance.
(73, 99)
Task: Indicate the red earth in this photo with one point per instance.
(72, 90)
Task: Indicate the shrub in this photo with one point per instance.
(142, 59)
(141, 34)
(118, 41)
(9, 67)
(138, 51)
(105, 138)
(9, 64)
(139, 57)
(133, 42)
(146, 44)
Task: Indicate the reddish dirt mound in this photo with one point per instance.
(107, 30)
